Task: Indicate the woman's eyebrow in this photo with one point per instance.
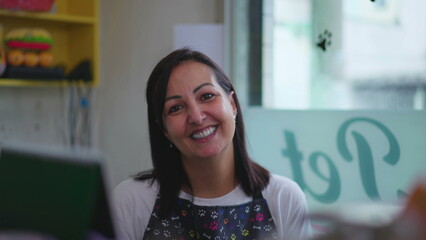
(194, 91)
(172, 97)
(202, 85)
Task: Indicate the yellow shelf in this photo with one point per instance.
(14, 82)
(53, 17)
(74, 27)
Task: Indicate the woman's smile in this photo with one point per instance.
(205, 134)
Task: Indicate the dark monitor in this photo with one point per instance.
(53, 192)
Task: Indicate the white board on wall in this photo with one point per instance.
(206, 38)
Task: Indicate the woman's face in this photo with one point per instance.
(198, 114)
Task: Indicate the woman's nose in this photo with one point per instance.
(196, 115)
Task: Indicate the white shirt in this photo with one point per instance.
(134, 202)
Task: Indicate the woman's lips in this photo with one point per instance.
(206, 132)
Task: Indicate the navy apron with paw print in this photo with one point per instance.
(250, 220)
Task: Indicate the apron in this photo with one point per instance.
(250, 220)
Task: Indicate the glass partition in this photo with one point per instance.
(335, 54)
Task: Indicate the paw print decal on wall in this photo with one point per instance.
(324, 40)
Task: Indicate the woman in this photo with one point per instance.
(203, 184)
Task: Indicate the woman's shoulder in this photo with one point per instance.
(137, 184)
(288, 207)
(281, 181)
(283, 187)
(133, 204)
(136, 190)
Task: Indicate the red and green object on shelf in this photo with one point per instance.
(27, 5)
(30, 39)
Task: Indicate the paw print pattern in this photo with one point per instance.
(256, 208)
(214, 225)
(165, 223)
(167, 233)
(267, 228)
(201, 213)
(245, 221)
(214, 214)
(324, 40)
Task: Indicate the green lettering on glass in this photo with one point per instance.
(365, 157)
(295, 156)
(333, 191)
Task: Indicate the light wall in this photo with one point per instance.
(134, 36)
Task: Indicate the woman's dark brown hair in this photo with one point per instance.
(168, 169)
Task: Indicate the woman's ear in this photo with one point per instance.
(166, 134)
(233, 104)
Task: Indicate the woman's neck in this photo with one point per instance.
(210, 178)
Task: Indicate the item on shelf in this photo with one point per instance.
(31, 59)
(29, 38)
(15, 57)
(28, 47)
(2, 61)
(46, 59)
(31, 73)
(27, 5)
(81, 72)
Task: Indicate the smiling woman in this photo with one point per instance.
(204, 184)
(199, 115)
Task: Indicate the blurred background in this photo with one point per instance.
(336, 88)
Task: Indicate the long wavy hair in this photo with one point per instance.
(167, 163)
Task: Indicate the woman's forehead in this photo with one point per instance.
(191, 74)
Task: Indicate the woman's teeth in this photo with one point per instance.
(205, 133)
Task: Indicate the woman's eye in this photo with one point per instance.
(175, 108)
(207, 96)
